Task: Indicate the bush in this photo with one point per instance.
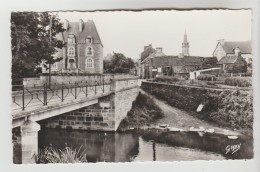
(167, 79)
(238, 81)
(207, 77)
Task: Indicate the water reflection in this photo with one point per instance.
(125, 147)
(241, 148)
(99, 146)
(152, 151)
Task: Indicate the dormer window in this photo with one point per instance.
(89, 51)
(71, 39)
(89, 40)
(71, 51)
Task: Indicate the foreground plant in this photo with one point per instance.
(66, 155)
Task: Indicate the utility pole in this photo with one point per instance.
(49, 62)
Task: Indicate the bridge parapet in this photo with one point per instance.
(123, 84)
(34, 82)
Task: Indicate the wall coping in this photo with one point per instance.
(124, 79)
(206, 88)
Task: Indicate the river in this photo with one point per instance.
(130, 146)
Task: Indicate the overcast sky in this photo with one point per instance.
(129, 32)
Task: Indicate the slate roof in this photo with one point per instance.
(244, 46)
(89, 29)
(148, 50)
(227, 60)
(184, 61)
(191, 60)
(165, 61)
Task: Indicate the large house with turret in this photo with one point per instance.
(83, 52)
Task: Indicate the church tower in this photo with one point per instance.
(185, 46)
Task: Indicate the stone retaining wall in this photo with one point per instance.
(32, 82)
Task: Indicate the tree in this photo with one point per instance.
(30, 33)
(118, 64)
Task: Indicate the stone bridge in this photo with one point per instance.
(84, 106)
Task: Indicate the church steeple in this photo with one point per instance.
(185, 45)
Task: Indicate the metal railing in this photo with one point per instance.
(24, 97)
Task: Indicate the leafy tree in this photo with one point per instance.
(30, 33)
(118, 64)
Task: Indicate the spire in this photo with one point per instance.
(185, 45)
(185, 37)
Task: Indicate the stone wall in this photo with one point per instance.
(123, 104)
(31, 82)
(95, 117)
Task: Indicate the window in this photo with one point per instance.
(89, 63)
(71, 39)
(89, 51)
(71, 51)
(89, 40)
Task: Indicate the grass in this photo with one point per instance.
(67, 155)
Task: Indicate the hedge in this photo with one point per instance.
(238, 81)
(229, 108)
(207, 77)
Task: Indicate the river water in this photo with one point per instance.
(130, 146)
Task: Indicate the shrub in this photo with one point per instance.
(238, 81)
(167, 79)
(67, 155)
(207, 77)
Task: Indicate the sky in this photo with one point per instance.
(128, 32)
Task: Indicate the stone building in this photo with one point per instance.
(154, 62)
(233, 64)
(83, 52)
(182, 66)
(185, 46)
(227, 48)
(146, 60)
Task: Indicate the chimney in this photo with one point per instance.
(66, 24)
(150, 45)
(221, 41)
(81, 25)
(159, 50)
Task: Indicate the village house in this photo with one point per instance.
(181, 66)
(233, 64)
(227, 48)
(83, 52)
(146, 60)
(155, 62)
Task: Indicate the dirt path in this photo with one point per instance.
(181, 119)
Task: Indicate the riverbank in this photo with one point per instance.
(144, 112)
(175, 117)
(227, 108)
(176, 127)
